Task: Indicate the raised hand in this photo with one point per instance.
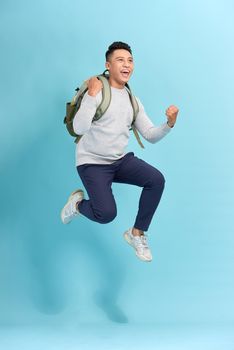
(94, 86)
(171, 114)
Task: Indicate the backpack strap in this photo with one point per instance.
(135, 107)
(106, 97)
(133, 102)
(137, 136)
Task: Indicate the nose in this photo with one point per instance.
(126, 64)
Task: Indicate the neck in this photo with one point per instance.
(115, 84)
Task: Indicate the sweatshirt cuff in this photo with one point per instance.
(166, 127)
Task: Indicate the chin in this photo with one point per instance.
(124, 81)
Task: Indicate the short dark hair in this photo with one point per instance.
(117, 45)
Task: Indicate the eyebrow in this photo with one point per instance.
(123, 57)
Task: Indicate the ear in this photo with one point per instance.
(107, 65)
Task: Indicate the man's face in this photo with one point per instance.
(120, 66)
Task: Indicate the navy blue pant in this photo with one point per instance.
(98, 178)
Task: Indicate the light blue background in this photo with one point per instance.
(84, 274)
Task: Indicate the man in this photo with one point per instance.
(100, 156)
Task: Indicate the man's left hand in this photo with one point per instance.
(171, 114)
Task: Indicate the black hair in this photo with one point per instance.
(117, 45)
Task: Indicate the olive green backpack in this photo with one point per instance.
(73, 106)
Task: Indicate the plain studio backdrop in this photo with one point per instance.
(81, 284)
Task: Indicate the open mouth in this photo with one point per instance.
(125, 73)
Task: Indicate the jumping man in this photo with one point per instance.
(101, 158)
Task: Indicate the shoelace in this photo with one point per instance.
(71, 210)
(144, 242)
(140, 242)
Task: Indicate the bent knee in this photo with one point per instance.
(107, 215)
(158, 179)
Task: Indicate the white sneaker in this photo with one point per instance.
(139, 243)
(70, 209)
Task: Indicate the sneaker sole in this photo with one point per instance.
(126, 237)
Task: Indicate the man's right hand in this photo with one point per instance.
(94, 86)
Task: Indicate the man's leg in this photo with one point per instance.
(137, 172)
(97, 179)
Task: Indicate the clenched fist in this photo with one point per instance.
(171, 114)
(94, 86)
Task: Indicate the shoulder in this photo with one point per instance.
(140, 104)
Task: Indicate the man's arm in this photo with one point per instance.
(84, 116)
(148, 130)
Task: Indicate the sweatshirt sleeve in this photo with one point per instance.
(84, 116)
(147, 129)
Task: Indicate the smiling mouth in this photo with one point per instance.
(125, 73)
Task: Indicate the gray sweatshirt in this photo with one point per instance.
(104, 141)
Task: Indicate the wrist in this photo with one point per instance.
(91, 93)
(170, 125)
